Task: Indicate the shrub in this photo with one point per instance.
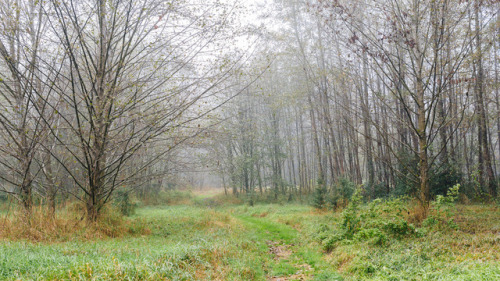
(331, 240)
(323, 232)
(350, 217)
(399, 227)
(373, 223)
(319, 195)
(444, 210)
(405, 182)
(251, 199)
(450, 198)
(345, 188)
(380, 190)
(373, 235)
(442, 178)
(342, 193)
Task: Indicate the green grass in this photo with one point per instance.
(236, 242)
(282, 223)
(186, 243)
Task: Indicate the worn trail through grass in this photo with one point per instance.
(284, 255)
(275, 240)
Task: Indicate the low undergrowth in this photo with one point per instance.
(375, 224)
(380, 240)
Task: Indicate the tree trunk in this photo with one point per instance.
(366, 124)
(484, 150)
(422, 145)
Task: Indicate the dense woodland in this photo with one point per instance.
(400, 97)
(301, 100)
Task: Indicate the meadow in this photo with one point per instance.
(208, 239)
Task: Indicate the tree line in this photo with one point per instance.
(399, 97)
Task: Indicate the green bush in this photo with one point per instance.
(450, 198)
(351, 218)
(342, 192)
(380, 190)
(331, 240)
(319, 196)
(373, 223)
(373, 235)
(444, 207)
(399, 227)
(345, 188)
(442, 177)
(405, 181)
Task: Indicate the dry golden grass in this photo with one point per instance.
(416, 214)
(68, 224)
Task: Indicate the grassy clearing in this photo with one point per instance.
(185, 243)
(202, 241)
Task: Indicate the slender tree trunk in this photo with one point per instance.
(321, 174)
(497, 81)
(366, 124)
(484, 149)
(422, 144)
(421, 134)
(51, 189)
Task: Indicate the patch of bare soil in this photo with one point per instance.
(283, 252)
(279, 251)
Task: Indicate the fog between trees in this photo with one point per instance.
(396, 97)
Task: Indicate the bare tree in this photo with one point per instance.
(130, 77)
